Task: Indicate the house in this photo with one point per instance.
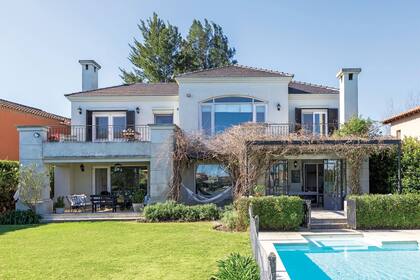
(405, 124)
(13, 114)
(122, 137)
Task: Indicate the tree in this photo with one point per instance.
(163, 53)
(357, 126)
(205, 47)
(155, 58)
(410, 166)
(31, 183)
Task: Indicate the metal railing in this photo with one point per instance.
(317, 129)
(266, 264)
(94, 133)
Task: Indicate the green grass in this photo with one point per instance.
(115, 250)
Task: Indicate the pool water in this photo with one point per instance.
(350, 258)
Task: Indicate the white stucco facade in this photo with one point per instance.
(406, 127)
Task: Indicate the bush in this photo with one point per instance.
(59, 203)
(17, 217)
(410, 166)
(387, 211)
(230, 219)
(274, 212)
(9, 176)
(172, 211)
(237, 267)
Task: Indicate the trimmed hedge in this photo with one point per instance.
(387, 211)
(172, 211)
(274, 212)
(9, 178)
(17, 217)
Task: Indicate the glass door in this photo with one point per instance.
(101, 133)
(333, 184)
(277, 178)
(315, 122)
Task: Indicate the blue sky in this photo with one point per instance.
(41, 42)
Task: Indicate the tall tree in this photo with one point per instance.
(205, 47)
(155, 58)
(163, 53)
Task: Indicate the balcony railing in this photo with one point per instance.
(93, 133)
(317, 129)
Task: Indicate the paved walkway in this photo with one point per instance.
(87, 216)
(317, 213)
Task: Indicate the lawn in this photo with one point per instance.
(115, 250)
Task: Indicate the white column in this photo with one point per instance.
(161, 162)
(31, 139)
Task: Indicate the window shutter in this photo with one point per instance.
(131, 119)
(88, 125)
(332, 120)
(298, 119)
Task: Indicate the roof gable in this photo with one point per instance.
(296, 87)
(234, 71)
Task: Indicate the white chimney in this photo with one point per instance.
(348, 93)
(90, 70)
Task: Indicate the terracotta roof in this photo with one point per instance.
(155, 89)
(296, 87)
(233, 71)
(403, 115)
(31, 110)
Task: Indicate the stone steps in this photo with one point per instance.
(329, 223)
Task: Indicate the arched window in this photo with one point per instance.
(217, 114)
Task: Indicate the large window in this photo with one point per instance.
(211, 179)
(220, 113)
(315, 121)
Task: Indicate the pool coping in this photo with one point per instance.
(379, 237)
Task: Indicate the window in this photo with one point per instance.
(126, 180)
(315, 121)
(399, 134)
(211, 179)
(350, 76)
(108, 126)
(220, 113)
(164, 118)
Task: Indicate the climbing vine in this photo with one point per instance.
(246, 162)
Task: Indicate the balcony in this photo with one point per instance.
(75, 143)
(92, 133)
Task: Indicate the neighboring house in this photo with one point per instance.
(405, 124)
(121, 137)
(13, 114)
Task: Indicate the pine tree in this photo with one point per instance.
(164, 54)
(155, 58)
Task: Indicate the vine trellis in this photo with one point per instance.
(246, 150)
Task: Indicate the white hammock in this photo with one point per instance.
(190, 197)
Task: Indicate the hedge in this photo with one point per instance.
(387, 211)
(274, 212)
(172, 211)
(9, 174)
(17, 217)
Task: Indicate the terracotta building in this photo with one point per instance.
(14, 114)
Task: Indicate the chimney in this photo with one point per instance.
(90, 70)
(348, 93)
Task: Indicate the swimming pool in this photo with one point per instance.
(350, 258)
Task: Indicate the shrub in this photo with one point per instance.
(410, 166)
(387, 211)
(230, 219)
(138, 196)
(16, 217)
(236, 267)
(172, 211)
(274, 212)
(9, 175)
(59, 203)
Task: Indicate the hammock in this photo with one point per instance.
(190, 198)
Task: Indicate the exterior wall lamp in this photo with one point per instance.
(138, 110)
(82, 167)
(79, 110)
(295, 164)
(278, 106)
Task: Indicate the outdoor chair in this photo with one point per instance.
(78, 201)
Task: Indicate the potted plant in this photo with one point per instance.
(59, 205)
(138, 200)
